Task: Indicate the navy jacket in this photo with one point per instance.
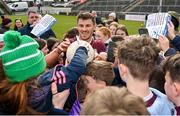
(176, 42)
(26, 30)
(40, 97)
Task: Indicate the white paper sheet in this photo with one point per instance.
(44, 24)
(157, 24)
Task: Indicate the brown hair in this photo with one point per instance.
(114, 24)
(50, 43)
(42, 43)
(15, 27)
(117, 38)
(123, 28)
(81, 89)
(139, 55)
(101, 70)
(86, 16)
(15, 95)
(172, 65)
(157, 79)
(31, 11)
(71, 34)
(113, 101)
(105, 31)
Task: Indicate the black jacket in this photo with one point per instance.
(26, 30)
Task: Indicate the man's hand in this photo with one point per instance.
(64, 45)
(171, 32)
(163, 43)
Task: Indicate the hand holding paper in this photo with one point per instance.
(163, 43)
(171, 30)
(157, 24)
(43, 25)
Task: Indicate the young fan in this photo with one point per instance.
(137, 59)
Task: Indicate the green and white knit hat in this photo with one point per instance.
(21, 58)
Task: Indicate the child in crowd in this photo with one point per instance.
(21, 92)
(157, 79)
(51, 42)
(99, 74)
(113, 26)
(112, 47)
(171, 68)
(103, 34)
(42, 45)
(122, 31)
(113, 101)
(137, 59)
(18, 24)
(6, 24)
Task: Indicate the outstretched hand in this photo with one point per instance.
(60, 98)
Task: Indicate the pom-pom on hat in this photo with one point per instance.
(21, 58)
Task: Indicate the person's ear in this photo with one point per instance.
(123, 70)
(176, 88)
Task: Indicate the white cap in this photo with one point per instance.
(113, 14)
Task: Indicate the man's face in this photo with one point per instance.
(32, 18)
(85, 28)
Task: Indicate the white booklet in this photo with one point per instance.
(44, 24)
(157, 24)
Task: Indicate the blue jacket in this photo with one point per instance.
(161, 106)
(176, 42)
(41, 98)
(170, 51)
(26, 30)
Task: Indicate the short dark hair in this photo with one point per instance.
(31, 11)
(101, 70)
(42, 43)
(86, 16)
(157, 79)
